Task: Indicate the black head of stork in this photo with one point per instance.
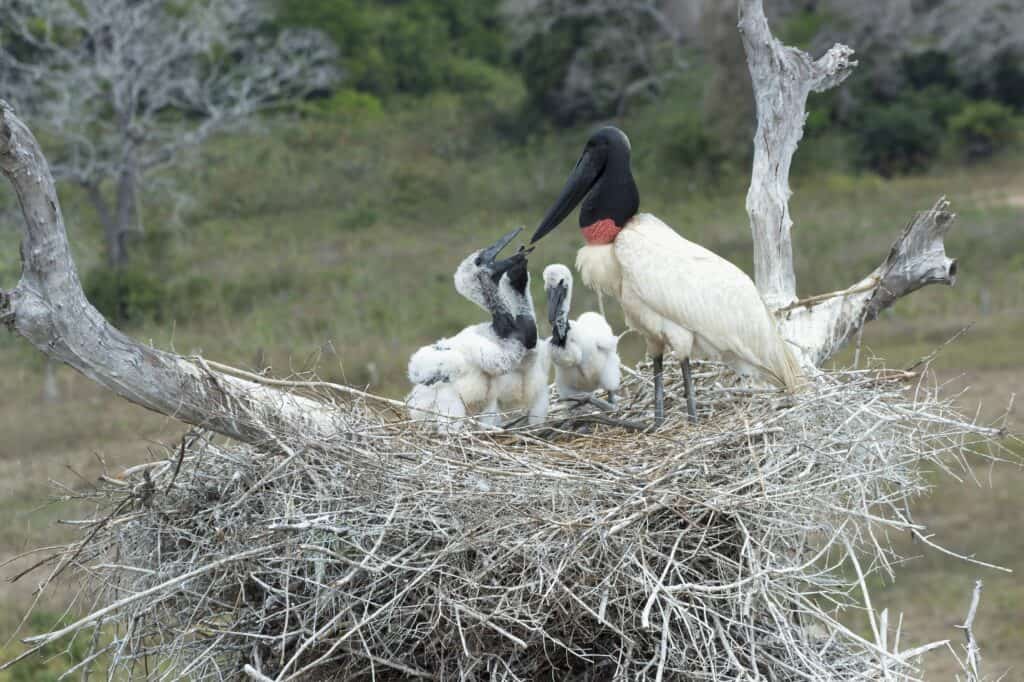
(602, 180)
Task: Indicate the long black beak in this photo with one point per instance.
(584, 175)
(556, 296)
(487, 256)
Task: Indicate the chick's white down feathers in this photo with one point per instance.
(587, 358)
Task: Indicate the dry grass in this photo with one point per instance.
(585, 550)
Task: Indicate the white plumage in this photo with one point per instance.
(682, 296)
(583, 351)
(457, 377)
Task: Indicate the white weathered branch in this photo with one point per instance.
(783, 77)
(973, 662)
(49, 309)
(821, 325)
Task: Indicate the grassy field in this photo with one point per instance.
(330, 247)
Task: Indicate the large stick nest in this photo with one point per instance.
(585, 550)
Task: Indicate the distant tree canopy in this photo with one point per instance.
(414, 47)
(584, 59)
(924, 65)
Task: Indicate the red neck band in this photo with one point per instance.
(602, 232)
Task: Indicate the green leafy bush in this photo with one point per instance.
(128, 295)
(983, 128)
(896, 138)
(1008, 80)
(928, 68)
(803, 26)
(490, 85)
(692, 145)
(544, 63)
(414, 47)
(819, 119)
(347, 105)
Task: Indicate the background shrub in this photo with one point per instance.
(128, 295)
(983, 128)
(897, 138)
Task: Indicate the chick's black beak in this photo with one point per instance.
(584, 175)
(515, 267)
(487, 255)
(556, 296)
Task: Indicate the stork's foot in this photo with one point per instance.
(580, 399)
(601, 404)
(612, 398)
(691, 401)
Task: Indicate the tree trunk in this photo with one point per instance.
(119, 222)
(127, 204)
(111, 227)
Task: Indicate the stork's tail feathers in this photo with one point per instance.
(785, 366)
(794, 377)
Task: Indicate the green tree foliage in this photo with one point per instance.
(897, 138)
(544, 61)
(583, 60)
(414, 47)
(1008, 80)
(983, 128)
(126, 296)
(930, 68)
(902, 129)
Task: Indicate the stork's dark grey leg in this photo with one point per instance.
(611, 397)
(691, 401)
(659, 392)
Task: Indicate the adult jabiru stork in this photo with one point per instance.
(677, 294)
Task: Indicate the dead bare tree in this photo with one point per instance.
(126, 85)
